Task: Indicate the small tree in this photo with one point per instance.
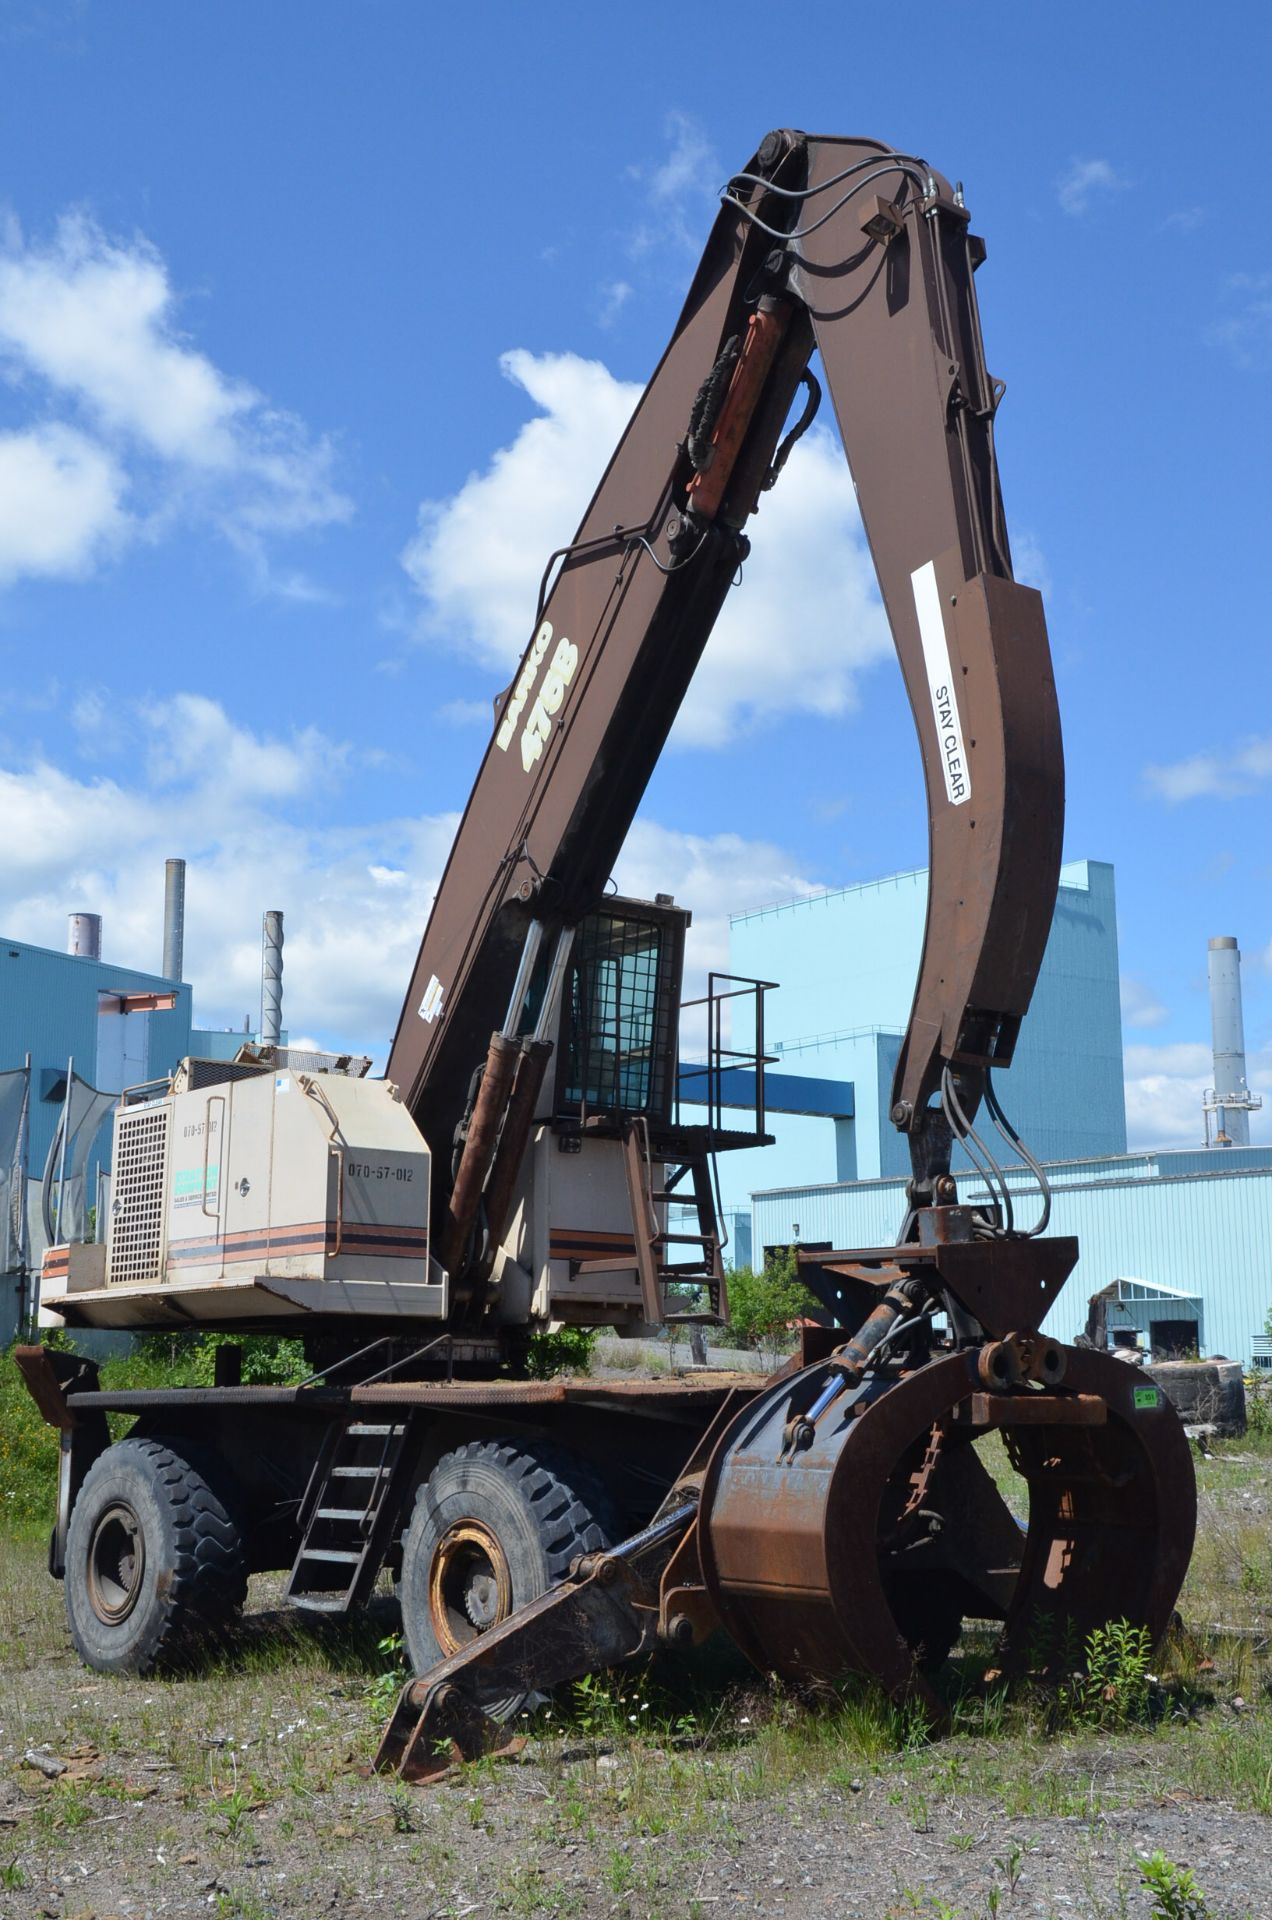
(764, 1307)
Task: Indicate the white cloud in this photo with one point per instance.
(225, 798)
(467, 713)
(89, 337)
(691, 165)
(682, 190)
(714, 875)
(1183, 220)
(1029, 562)
(1165, 1087)
(614, 298)
(193, 742)
(1140, 1005)
(1164, 1090)
(355, 900)
(1085, 181)
(478, 558)
(60, 503)
(1246, 330)
(1226, 776)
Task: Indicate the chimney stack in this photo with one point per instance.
(84, 938)
(1230, 1100)
(173, 918)
(272, 980)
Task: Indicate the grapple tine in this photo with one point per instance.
(1112, 1513)
(604, 1613)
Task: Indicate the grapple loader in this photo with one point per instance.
(526, 1161)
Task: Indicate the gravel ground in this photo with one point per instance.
(247, 1793)
(502, 1848)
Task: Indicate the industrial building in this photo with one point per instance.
(1179, 1240)
(1182, 1238)
(72, 1023)
(113, 1026)
(845, 962)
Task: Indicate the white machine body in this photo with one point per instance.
(265, 1197)
(569, 1254)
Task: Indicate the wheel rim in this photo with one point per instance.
(116, 1563)
(469, 1585)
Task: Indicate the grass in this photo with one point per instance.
(650, 1779)
(29, 1448)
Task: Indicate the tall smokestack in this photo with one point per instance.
(84, 936)
(173, 918)
(272, 980)
(1231, 1101)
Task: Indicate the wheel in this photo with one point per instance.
(495, 1525)
(154, 1562)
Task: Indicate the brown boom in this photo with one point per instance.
(864, 254)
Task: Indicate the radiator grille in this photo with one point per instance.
(137, 1196)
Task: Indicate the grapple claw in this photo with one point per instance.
(865, 1551)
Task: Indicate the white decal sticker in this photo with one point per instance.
(936, 658)
(525, 682)
(551, 694)
(431, 1004)
(281, 1083)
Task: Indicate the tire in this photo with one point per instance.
(495, 1525)
(155, 1569)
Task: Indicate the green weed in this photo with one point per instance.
(1176, 1895)
(620, 1874)
(1113, 1691)
(382, 1692)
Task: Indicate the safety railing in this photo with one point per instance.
(723, 1078)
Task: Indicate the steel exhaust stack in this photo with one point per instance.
(84, 936)
(272, 980)
(1230, 1099)
(173, 918)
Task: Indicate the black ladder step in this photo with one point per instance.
(365, 1430)
(336, 1554)
(321, 1603)
(342, 1513)
(350, 1473)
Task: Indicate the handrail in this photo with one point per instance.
(721, 1058)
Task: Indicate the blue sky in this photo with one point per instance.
(317, 324)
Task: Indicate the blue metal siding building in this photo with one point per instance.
(1192, 1230)
(846, 961)
(51, 1007)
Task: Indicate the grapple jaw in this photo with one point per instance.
(864, 1550)
(844, 1520)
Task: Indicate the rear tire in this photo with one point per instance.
(495, 1525)
(155, 1569)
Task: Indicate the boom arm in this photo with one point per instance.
(864, 254)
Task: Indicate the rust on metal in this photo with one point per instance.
(764, 332)
(819, 1563)
(1031, 1410)
(36, 1366)
(481, 1139)
(691, 1391)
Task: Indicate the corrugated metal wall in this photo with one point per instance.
(1195, 1222)
(846, 962)
(48, 1008)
